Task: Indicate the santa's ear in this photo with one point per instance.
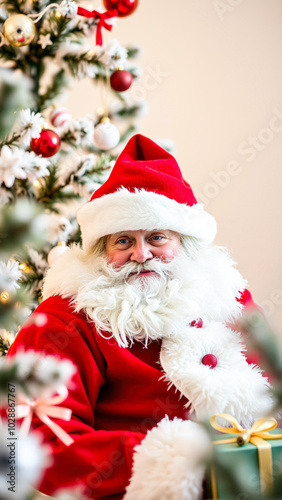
(169, 463)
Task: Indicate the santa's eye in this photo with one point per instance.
(122, 241)
(158, 238)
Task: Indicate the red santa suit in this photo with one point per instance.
(117, 396)
(119, 393)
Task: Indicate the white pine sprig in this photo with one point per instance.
(28, 126)
(112, 54)
(68, 9)
(12, 163)
(35, 374)
(9, 276)
(37, 259)
(87, 162)
(59, 228)
(36, 166)
(78, 132)
(15, 163)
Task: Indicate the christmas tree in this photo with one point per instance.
(51, 163)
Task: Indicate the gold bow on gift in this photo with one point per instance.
(256, 435)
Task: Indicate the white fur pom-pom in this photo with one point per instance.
(168, 464)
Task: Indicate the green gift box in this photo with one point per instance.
(239, 471)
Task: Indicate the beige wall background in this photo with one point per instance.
(212, 76)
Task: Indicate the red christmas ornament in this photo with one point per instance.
(198, 323)
(124, 7)
(121, 80)
(210, 360)
(47, 144)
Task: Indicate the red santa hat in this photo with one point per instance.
(145, 190)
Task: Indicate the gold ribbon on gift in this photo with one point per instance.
(256, 435)
(45, 408)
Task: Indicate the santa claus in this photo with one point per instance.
(143, 310)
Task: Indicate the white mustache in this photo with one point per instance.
(157, 265)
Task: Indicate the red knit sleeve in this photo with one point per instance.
(99, 460)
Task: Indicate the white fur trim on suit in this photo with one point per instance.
(168, 464)
(142, 209)
(232, 386)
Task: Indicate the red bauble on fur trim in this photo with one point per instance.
(210, 360)
(198, 323)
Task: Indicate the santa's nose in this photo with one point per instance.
(141, 252)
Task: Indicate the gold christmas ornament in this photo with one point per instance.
(19, 30)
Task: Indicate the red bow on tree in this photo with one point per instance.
(102, 16)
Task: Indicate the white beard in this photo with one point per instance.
(199, 282)
(132, 307)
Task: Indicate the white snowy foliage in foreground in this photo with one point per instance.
(9, 276)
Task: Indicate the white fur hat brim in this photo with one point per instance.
(124, 210)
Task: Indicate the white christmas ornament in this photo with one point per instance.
(106, 136)
(55, 252)
(60, 116)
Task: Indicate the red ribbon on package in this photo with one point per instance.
(102, 16)
(44, 408)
